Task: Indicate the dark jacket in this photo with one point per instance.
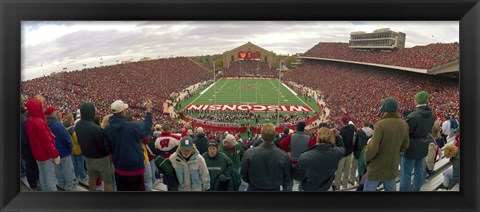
(124, 140)
(316, 167)
(347, 133)
(267, 167)
(216, 166)
(234, 154)
(90, 135)
(420, 122)
(200, 142)
(25, 145)
(231, 185)
(62, 137)
(361, 141)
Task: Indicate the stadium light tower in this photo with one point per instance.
(278, 105)
(215, 90)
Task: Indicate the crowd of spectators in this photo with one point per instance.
(250, 68)
(131, 82)
(359, 89)
(422, 57)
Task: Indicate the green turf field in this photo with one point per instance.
(248, 92)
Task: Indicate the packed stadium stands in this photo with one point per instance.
(421, 57)
(250, 68)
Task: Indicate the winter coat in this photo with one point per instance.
(267, 167)
(361, 141)
(432, 154)
(347, 134)
(166, 144)
(90, 136)
(73, 137)
(192, 175)
(296, 144)
(420, 123)
(200, 142)
(316, 167)
(233, 184)
(382, 154)
(62, 138)
(124, 140)
(217, 166)
(233, 153)
(41, 138)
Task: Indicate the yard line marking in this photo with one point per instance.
(295, 95)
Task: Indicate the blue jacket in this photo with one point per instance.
(62, 138)
(123, 139)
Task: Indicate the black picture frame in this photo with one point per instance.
(13, 12)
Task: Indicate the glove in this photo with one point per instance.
(57, 160)
(223, 178)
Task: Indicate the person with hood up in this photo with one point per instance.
(190, 167)
(31, 167)
(123, 139)
(420, 123)
(42, 144)
(91, 141)
(64, 171)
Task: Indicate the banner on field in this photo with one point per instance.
(252, 108)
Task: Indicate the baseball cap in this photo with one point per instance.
(186, 143)
(118, 106)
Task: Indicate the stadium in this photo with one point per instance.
(243, 88)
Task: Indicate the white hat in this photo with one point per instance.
(230, 139)
(118, 106)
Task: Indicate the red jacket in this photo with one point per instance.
(42, 140)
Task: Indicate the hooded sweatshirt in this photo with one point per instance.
(62, 138)
(90, 135)
(420, 122)
(124, 140)
(42, 140)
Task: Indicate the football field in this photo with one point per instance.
(257, 95)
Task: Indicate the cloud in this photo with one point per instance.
(71, 44)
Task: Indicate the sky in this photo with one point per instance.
(52, 46)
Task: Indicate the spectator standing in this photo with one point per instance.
(123, 140)
(420, 123)
(382, 153)
(165, 145)
(446, 128)
(190, 167)
(343, 172)
(31, 167)
(315, 175)
(91, 140)
(266, 167)
(42, 144)
(77, 157)
(64, 171)
(360, 142)
(200, 141)
(282, 136)
(223, 174)
(231, 149)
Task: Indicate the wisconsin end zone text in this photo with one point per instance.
(253, 108)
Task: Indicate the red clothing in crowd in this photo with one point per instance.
(42, 140)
